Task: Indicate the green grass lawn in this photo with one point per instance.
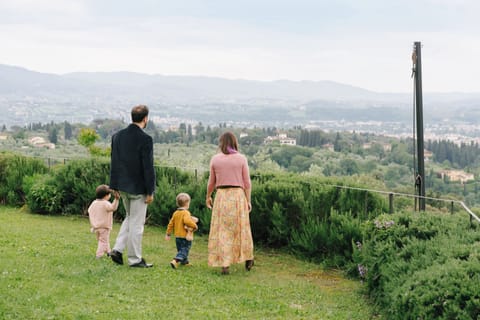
(48, 270)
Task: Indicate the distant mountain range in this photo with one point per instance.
(188, 89)
(29, 96)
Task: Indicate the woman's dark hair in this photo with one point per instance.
(227, 142)
(139, 112)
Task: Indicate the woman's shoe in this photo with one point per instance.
(225, 270)
(248, 265)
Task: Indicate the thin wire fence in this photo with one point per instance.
(392, 195)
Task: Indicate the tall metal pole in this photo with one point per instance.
(420, 175)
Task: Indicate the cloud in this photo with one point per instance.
(40, 10)
(367, 45)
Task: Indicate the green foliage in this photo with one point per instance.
(197, 189)
(53, 135)
(13, 168)
(163, 205)
(329, 241)
(461, 156)
(299, 157)
(349, 167)
(282, 204)
(170, 182)
(96, 151)
(413, 264)
(67, 129)
(42, 196)
(311, 216)
(280, 228)
(446, 290)
(421, 266)
(77, 181)
(87, 137)
(387, 159)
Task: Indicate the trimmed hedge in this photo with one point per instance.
(313, 217)
(421, 265)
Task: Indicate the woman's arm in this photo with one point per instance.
(248, 194)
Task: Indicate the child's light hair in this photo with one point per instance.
(182, 199)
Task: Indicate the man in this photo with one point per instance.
(132, 173)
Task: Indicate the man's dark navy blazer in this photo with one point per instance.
(131, 167)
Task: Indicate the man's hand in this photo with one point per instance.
(149, 199)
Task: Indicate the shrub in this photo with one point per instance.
(305, 214)
(13, 168)
(170, 182)
(42, 195)
(331, 239)
(313, 217)
(446, 290)
(407, 260)
(77, 181)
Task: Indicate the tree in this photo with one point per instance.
(285, 155)
(67, 130)
(18, 133)
(107, 127)
(182, 130)
(189, 133)
(300, 163)
(87, 138)
(336, 144)
(349, 167)
(52, 135)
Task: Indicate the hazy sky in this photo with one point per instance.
(365, 43)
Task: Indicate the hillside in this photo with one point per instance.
(28, 96)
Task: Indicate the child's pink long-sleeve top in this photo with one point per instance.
(100, 213)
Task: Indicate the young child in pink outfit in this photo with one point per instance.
(100, 214)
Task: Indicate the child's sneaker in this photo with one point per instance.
(174, 264)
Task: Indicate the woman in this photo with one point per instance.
(230, 239)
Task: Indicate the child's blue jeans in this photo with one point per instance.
(183, 248)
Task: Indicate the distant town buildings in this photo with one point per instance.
(387, 147)
(40, 142)
(427, 155)
(282, 138)
(329, 147)
(456, 175)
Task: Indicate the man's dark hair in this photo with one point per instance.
(139, 112)
(102, 190)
